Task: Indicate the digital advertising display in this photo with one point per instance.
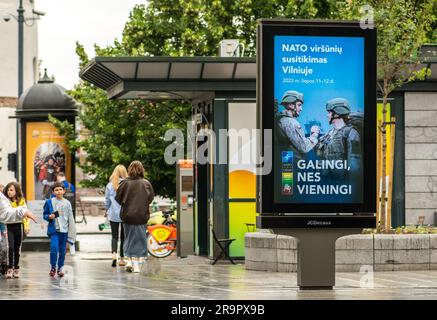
(316, 92)
(319, 114)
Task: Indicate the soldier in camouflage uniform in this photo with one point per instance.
(342, 142)
(290, 135)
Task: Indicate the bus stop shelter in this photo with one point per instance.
(222, 92)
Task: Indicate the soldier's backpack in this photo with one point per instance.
(356, 121)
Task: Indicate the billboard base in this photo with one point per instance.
(316, 255)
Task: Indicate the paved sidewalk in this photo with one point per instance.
(90, 276)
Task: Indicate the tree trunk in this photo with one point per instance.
(383, 200)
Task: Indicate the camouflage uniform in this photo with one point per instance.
(340, 144)
(291, 135)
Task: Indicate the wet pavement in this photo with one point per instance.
(90, 276)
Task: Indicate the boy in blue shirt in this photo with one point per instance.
(59, 214)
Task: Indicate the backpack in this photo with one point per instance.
(356, 121)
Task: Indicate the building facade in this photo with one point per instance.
(9, 72)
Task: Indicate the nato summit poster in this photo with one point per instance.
(318, 126)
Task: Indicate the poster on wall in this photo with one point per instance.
(319, 115)
(317, 95)
(46, 156)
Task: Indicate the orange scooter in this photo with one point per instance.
(162, 238)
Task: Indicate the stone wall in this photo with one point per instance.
(420, 156)
(278, 253)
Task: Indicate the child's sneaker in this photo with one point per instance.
(52, 272)
(61, 273)
(16, 273)
(9, 274)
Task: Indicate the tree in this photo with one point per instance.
(121, 131)
(403, 26)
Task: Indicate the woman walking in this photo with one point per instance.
(135, 195)
(113, 212)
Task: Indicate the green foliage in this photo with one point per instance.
(121, 131)
(404, 230)
(115, 132)
(403, 27)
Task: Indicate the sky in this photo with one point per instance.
(68, 21)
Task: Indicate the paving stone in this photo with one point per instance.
(261, 266)
(411, 241)
(383, 267)
(357, 241)
(260, 240)
(348, 267)
(411, 267)
(383, 241)
(383, 256)
(286, 242)
(433, 241)
(411, 256)
(433, 255)
(287, 267)
(261, 255)
(354, 257)
(287, 256)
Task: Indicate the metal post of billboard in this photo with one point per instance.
(316, 255)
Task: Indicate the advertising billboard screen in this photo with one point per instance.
(317, 94)
(319, 113)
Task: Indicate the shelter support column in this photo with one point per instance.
(316, 255)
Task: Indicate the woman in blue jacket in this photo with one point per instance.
(113, 213)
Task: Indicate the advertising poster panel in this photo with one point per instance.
(46, 156)
(317, 94)
(319, 114)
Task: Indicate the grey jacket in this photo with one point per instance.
(9, 214)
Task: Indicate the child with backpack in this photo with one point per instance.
(59, 213)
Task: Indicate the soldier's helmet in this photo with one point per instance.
(291, 96)
(339, 106)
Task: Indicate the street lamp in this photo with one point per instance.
(21, 21)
